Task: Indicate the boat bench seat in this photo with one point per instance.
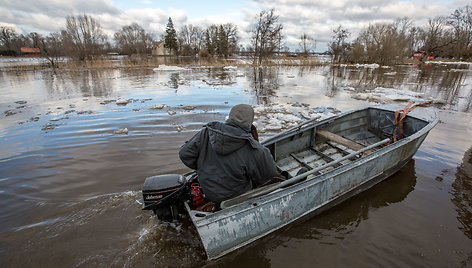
(342, 140)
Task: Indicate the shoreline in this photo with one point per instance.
(125, 62)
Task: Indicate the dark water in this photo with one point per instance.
(70, 185)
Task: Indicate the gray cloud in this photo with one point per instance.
(320, 17)
(316, 18)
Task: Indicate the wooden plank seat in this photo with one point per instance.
(342, 140)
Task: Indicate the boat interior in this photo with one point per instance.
(319, 144)
(320, 147)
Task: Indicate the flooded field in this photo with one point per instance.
(76, 146)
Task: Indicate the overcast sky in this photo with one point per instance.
(315, 18)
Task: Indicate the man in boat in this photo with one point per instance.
(228, 159)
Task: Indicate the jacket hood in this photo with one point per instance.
(226, 138)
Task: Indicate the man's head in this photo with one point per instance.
(242, 115)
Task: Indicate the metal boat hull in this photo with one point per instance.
(245, 222)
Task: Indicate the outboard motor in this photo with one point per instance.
(165, 194)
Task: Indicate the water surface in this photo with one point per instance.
(70, 183)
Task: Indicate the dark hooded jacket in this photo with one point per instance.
(228, 160)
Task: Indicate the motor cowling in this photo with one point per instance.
(165, 194)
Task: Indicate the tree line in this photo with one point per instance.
(384, 43)
(83, 38)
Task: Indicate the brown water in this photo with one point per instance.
(70, 186)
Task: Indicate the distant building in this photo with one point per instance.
(158, 49)
(30, 51)
(418, 55)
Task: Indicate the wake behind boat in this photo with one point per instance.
(342, 156)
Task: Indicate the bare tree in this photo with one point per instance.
(190, 39)
(51, 48)
(338, 46)
(7, 37)
(85, 36)
(307, 44)
(266, 35)
(461, 21)
(433, 37)
(133, 39)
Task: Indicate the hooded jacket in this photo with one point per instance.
(228, 160)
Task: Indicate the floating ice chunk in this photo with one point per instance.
(171, 112)
(169, 68)
(158, 106)
(373, 65)
(179, 128)
(121, 101)
(400, 94)
(230, 67)
(448, 62)
(122, 131)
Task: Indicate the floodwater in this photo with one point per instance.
(70, 174)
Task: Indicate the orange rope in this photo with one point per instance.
(401, 114)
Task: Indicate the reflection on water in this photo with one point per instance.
(264, 82)
(462, 193)
(449, 86)
(69, 183)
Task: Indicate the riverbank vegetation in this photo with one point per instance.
(82, 39)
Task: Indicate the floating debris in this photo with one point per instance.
(297, 104)
(189, 108)
(10, 112)
(107, 102)
(122, 131)
(58, 119)
(50, 126)
(84, 112)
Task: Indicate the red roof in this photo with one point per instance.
(30, 50)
